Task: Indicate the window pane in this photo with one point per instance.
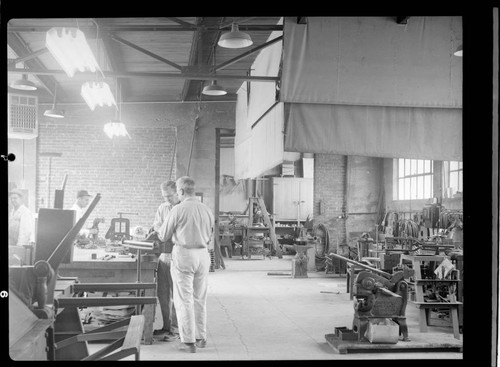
(427, 166)
(420, 187)
(413, 169)
(453, 166)
(460, 173)
(454, 181)
(407, 189)
(407, 167)
(427, 185)
(461, 165)
(401, 189)
(420, 166)
(401, 167)
(413, 188)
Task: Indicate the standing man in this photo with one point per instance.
(164, 286)
(190, 226)
(21, 221)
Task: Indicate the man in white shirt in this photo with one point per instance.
(190, 226)
(80, 206)
(21, 221)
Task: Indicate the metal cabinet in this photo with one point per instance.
(292, 198)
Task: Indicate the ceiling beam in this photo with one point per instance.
(111, 74)
(235, 20)
(192, 60)
(20, 48)
(90, 32)
(181, 22)
(144, 51)
(30, 56)
(249, 52)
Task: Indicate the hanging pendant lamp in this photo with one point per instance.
(235, 38)
(54, 112)
(23, 84)
(214, 89)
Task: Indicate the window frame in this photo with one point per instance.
(409, 175)
(446, 179)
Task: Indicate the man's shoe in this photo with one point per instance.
(170, 338)
(160, 331)
(188, 347)
(201, 343)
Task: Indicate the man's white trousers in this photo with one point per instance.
(190, 268)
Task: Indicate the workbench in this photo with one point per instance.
(115, 270)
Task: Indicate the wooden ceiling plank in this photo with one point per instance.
(144, 51)
(247, 53)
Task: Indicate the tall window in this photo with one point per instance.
(452, 178)
(413, 179)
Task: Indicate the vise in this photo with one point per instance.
(378, 295)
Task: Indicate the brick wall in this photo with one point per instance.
(128, 172)
(329, 195)
(347, 188)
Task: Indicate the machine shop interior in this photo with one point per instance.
(330, 150)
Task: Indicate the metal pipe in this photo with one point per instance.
(140, 245)
(361, 265)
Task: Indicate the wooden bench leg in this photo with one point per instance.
(454, 320)
(423, 320)
(149, 316)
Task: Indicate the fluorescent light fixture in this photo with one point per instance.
(214, 89)
(23, 84)
(97, 94)
(71, 50)
(235, 38)
(115, 128)
(459, 52)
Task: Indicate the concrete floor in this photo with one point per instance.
(256, 316)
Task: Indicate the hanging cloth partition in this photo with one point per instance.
(368, 86)
(390, 132)
(373, 61)
(258, 143)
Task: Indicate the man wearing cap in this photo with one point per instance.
(80, 206)
(21, 221)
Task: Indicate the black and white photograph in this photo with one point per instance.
(281, 187)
